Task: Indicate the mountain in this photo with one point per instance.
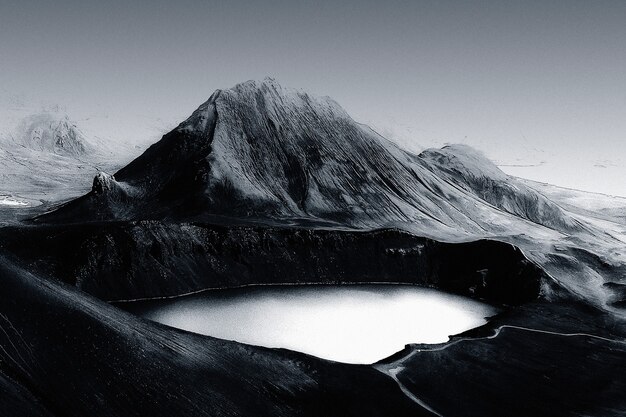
(50, 133)
(261, 151)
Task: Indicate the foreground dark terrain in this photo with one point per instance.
(265, 185)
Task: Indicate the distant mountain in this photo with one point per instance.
(51, 132)
(48, 156)
(473, 172)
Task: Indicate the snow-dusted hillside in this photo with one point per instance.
(47, 155)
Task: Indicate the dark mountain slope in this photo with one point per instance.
(81, 357)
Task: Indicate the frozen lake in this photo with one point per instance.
(353, 323)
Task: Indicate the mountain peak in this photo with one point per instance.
(267, 97)
(202, 117)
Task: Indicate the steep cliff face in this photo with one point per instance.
(122, 261)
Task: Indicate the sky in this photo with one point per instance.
(539, 86)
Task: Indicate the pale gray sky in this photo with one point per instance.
(525, 81)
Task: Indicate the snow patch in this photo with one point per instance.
(12, 202)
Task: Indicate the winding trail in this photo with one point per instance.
(394, 368)
(393, 373)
